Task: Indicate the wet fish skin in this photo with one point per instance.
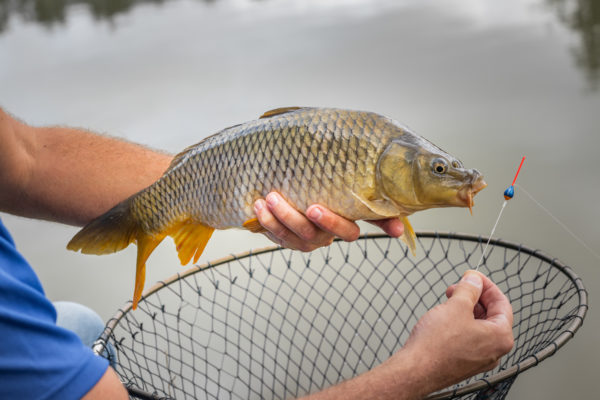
(309, 156)
(360, 165)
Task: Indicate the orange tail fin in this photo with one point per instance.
(113, 231)
(109, 233)
(146, 245)
(116, 229)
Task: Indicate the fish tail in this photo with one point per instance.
(146, 245)
(108, 233)
(114, 231)
(190, 240)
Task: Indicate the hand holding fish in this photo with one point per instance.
(316, 228)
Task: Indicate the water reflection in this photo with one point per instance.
(583, 17)
(50, 12)
(580, 16)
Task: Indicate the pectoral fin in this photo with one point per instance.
(380, 207)
(409, 236)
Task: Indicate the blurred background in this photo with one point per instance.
(487, 81)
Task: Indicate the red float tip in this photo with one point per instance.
(519, 170)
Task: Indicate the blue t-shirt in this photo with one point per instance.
(38, 359)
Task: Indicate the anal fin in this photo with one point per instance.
(190, 239)
(409, 236)
(254, 226)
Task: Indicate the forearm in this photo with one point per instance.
(399, 378)
(69, 175)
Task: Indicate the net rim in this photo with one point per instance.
(482, 383)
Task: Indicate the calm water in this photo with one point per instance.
(488, 81)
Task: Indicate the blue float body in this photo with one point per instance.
(509, 193)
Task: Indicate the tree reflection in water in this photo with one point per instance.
(583, 18)
(50, 12)
(580, 16)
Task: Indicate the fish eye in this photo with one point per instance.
(439, 166)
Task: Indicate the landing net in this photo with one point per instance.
(276, 323)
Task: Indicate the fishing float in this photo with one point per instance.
(508, 195)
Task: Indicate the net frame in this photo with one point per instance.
(498, 382)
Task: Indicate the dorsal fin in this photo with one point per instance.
(279, 111)
(180, 156)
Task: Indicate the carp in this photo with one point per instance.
(360, 165)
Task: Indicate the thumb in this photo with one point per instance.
(469, 288)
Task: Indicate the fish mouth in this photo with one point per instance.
(469, 191)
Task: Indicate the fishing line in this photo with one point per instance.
(560, 223)
(508, 194)
(491, 234)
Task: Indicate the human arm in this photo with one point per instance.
(467, 334)
(108, 387)
(69, 175)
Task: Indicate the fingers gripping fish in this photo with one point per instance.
(360, 165)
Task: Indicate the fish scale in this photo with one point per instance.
(360, 165)
(275, 151)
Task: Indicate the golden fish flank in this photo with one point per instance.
(360, 165)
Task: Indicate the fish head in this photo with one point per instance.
(416, 175)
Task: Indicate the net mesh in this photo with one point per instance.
(279, 323)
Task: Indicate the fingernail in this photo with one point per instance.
(258, 205)
(473, 279)
(315, 213)
(272, 199)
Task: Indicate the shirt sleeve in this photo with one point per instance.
(38, 359)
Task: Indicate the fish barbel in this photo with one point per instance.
(360, 165)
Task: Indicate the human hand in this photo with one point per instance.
(316, 228)
(466, 335)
